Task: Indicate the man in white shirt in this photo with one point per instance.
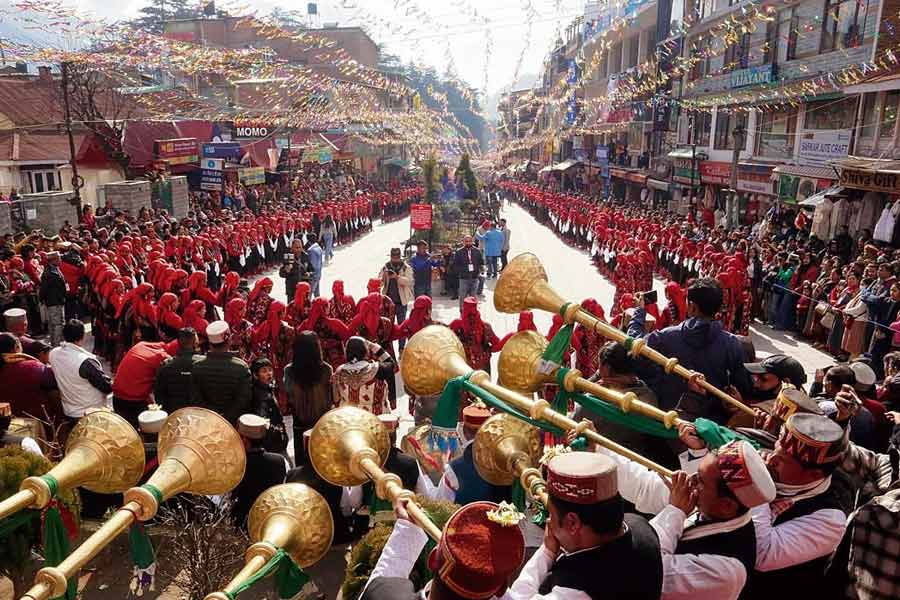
(83, 385)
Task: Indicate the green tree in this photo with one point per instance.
(465, 174)
(157, 12)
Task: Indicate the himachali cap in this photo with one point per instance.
(217, 331)
(814, 440)
(252, 426)
(475, 416)
(14, 315)
(582, 477)
(389, 421)
(865, 376)
(151, 420)
(791, 401)
(745, 473)
(476, 556)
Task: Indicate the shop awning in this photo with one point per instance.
(546, 169)
(819, 197)
(656, 184)
(565, 165)
(859, 163)
(805, 171)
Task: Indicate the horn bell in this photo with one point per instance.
(519, 362)
(339, 437)
(523, 286)
(295, 517)
(432, 357)
(501, 442)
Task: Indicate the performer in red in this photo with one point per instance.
(419, 317)
(388, 310)
(197, 290)
(477, 337)
(274, 339)
(167, 317)
(193, 317)
(676, 308)
(624, 278)
(298, 309)
(526, 323)
(229, 289)
(587, 342)
(372, 325)
(341, 306)
(332, 332)
(241, 329)
(259, 300)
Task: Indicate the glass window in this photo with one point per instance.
(842, 25)
(700, 133)
(633, 45)
(699, 48)
(737, 56)
(869, 117)
(889, 114)
(781, 37)
(725, 126)
(775, 137)
(831, 114)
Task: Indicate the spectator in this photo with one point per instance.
(36, 393)
(135, 377)
(423, 264)
(220, 381)
(82, 383)
(467, 263)
(52, 293)
(493, 240)
(307, 382)
(316, 263)
(396, 284)
(172, 389)
(16, 320)
(505, 252)
(263, 404)
(328, 235)
(295, 269)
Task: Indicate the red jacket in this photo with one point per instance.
(137, 372)
(72, 274)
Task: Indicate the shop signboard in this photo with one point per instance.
(819, 147)
(252, 130)
(873, 181)
(420, 216)
(715, 172)
(756, 179)
(751, 76)
(212, 164)
(683, 172)
(178, 151)
(787, 187)
(230, 151)
(211, 180)
(252, 175)
(324, 156)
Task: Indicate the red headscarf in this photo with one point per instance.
(196, 281)
(317, 310)
(167, 315)
(301, 294)
(369, 313)
(271, 327)
(141, 301)
(258, 289)
(419, 316)
(235, 311)
(677, 296)
(193, 316)
(471, 319)
(526, 321)
(593, 307)
(555, 326)
(374, 285)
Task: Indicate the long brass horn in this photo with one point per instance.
(199, 453)
(507, 448)
(518, 369)
(435, 355)
(523, 286)
(103, 454)
(292, 517)
(349, 446)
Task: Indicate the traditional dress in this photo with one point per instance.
(258, 301)
(587, 342)
(526, 323)
(341, 306)
(193, 317)
(477, 337)
(332, 332)
(241, 340)
(298, 309)
(168, 319)
(274, 339)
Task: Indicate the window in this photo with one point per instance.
(725, 126)
(633, 46)
(842, 25)
(700, 133)
(781, 37)
(700, 54)
(776, 131)
(889, 114)
(869, 117)
(831, 114)
(41, 181)
(702, 9)
(737, 56)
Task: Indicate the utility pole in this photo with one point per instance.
(731, 207)
(77, 182)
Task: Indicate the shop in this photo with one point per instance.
(871, 185)
(629, 184)
(685, 177)
(757, 191)
(795, 183)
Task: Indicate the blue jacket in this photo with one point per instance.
(700, 345)
(315, 258)
(493, 242)
(421, 266)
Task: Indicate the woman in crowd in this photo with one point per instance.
(259, 300)
(273, 339)
(307, 383)
(241, 340)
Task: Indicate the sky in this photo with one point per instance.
(430, 32)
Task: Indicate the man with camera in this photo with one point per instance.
(295, 267)
(396, 283)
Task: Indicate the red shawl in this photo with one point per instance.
(166, 307)
(235, 311)
(258, 288)
(419, 316)
(193, 316)
(271, 327)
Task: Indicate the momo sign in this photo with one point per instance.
(250, 130)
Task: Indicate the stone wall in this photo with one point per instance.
(128, 196)
(51, 210)
(5, 218)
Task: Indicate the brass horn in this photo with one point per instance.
(199, 453)
(292, 517)
(103, 454)
(523, 286)
(518, 367)
(348, 446)
(507, 448)
(435, 355)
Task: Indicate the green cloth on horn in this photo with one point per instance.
(56, 546)
(716, 435)
(289, 578)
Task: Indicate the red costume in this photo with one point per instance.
(259, 300)
(476, 336)
(298, 310)
(587, 342)
(241, 330)
(332, 332)
(341, 306)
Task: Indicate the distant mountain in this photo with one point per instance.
(526, 80)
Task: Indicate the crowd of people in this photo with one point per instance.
(798, 490)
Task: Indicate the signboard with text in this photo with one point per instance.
(211, 180)
(715, 172)
(818, 147)
(178, 151)
(874, 181)
(252, 175)
(420, 216)
(230, 151)
(751, 76)
(252, 130)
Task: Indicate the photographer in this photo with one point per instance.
(422, 264)
(295, 268)
(396, 284)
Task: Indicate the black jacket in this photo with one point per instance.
(264, 405)
(52, 291)
(461, 262)
(172, 388)
(264, 469)
(294, 272)
(220, 381)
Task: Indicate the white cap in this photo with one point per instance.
(865, 376)
(745, 473)
(252, 426)
(216, 332)
(13, 315)
(151, 421)
(389, 421)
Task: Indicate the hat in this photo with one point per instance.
(389, 421)
(814, 440)
(217, 331)
(52, 255)
(790, 401)
(152, 419)
(14, 315)
(476, 556)
(865, 376)
(252, 426)
(582, 477)
(395, 251)
(745, 473)
(474, 415)
(782, 366)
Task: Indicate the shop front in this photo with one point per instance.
(757, 191)
(795, 183)
(629, 184)
(873, 184)
(685, 177)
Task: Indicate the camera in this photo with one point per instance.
(287, 257)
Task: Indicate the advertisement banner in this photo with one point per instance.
(252, 175)
(213, 164)
(230, 151)
(715, 172)
(874, 181)
(177, 152)
(818, 147)
(211, 180)
(420, 216)
(252, 130)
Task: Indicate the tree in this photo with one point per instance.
(154, 15)
(465, 173)
(290, 20)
